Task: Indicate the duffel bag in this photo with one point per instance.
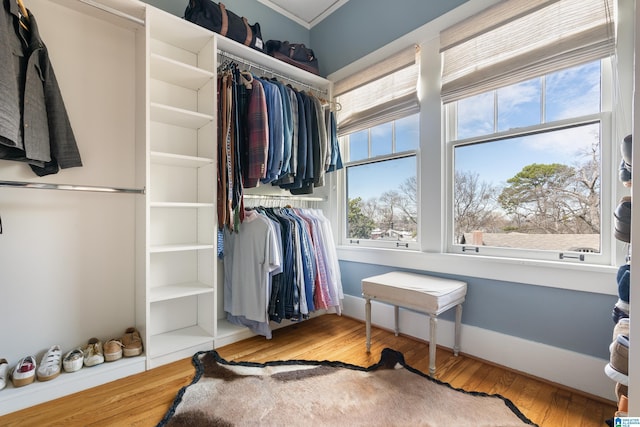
(216, 17)
(294, 53)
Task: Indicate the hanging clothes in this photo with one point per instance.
(285, 256)
(34, 126)
(283, 136)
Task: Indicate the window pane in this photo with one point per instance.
(382, 200)
(381, 139)
(475, 116)
(573, 92)
(359, 145)
(539, 191)
(407, 133)
(519, 105)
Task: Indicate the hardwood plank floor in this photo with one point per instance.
(143, 399)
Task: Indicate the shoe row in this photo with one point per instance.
(618, 367)
(52, 363)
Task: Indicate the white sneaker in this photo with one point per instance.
(4, 370)
(73, 360)
(25, 372)
(49, 367)
(93, 354)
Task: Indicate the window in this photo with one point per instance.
(378, 127)
(381, 192)
(527, 137)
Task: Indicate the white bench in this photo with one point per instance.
(427, 294)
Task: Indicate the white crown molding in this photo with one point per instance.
(307, 24)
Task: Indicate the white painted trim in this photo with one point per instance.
(570, 275)
(571, 369)
(306, 24)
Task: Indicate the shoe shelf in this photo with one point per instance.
(16, 398)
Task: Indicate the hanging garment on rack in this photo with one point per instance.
(251, 256)
(305, 278)
(34, 126)
(255, 141)
(297, 134)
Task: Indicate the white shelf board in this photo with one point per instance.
(179, 116)
(179, 248)
(178, 73)
(164, 293)
(171, 342)
(15, 398)
(172, 30)
(171, 159)
(181, 205)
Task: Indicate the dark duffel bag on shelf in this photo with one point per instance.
(216, 17)
(294, 53)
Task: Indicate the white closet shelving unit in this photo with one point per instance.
(179, 257)
(151, 125)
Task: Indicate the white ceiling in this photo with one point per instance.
(305, 12)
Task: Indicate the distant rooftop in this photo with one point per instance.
(562, 242)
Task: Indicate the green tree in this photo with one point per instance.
(549, 198)
(360, 225)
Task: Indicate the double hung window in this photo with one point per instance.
(378, 126)
(527, 93)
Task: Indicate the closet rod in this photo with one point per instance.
(270, 71)
(113, 11)
(284, 197)
(45, 186)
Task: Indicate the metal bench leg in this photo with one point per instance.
(433, 323)
(367, 310)
(456, 346)
(395, 318)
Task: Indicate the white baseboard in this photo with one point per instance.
(571, 369)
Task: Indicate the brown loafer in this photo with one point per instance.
(132, 343)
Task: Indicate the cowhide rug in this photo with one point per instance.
(313, 393)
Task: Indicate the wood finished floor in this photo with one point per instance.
(143, 399)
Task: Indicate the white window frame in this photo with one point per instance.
(432, 159)
(377, 243)
(607, 183)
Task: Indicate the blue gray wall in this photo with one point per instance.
(577, 321)
(361, 26)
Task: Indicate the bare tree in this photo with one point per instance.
(473, 204)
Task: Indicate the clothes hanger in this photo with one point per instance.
(24, 14)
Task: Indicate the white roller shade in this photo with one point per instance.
(516, 40)
(384, 92)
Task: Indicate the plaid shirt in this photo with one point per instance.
(257, 136)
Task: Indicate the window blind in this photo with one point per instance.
(516, 40)
(384, 92)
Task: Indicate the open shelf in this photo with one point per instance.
(178, 73)
(163, 293)
(179, 116)
(170, 159)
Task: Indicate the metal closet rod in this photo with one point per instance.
(270, 71)
(284, 197)
(46, 186)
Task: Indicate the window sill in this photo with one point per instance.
(564, 275)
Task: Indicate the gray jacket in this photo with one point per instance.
(34, 126)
